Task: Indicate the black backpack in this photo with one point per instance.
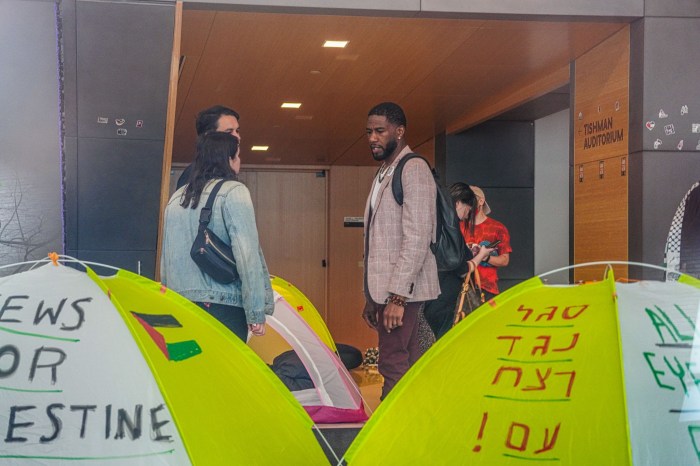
(449, 248)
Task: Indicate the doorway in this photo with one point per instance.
(291, 214)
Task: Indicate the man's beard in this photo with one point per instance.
(388, 150)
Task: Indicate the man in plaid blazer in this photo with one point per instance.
(400, 271)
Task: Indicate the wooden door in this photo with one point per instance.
(291, 214)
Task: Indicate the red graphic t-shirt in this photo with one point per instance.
(487, 232)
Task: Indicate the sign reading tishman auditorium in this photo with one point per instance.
(601, 132)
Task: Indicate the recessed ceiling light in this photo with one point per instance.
(291, 104)
(261, 148)
(335, 43)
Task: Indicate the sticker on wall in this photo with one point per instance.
(698, 146)
(617, 105)
(657, 143)
(580, 115)
(663, 114)
(103, 120)
(139, 123)
(121, 131)
(695, 127)
(623, 166)
(680, 145)
(580, 173)
(120, 121)
(601, 169)
(650, 125)
(684, 110)
(353, 222)
(669, 130)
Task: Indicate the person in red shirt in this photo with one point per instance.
(485, 230)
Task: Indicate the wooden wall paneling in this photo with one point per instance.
(196, 27)
(450, 68)
(516, 94)
(169, 132)
(602, 100)
(349, 187)
(291, 215)
(600, 222)
(601, 128)
(427, 150)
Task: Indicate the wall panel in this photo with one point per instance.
(499, 157)
(31, 205)
(601, 134)
(349, 187)
(117, 58)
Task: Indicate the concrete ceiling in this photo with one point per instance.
(441, 71)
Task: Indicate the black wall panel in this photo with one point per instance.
(116, 74)
(141, 262)
(671, 64)
(493, 154)
(123, 63)
(70, 167)
(665, 179)
(499, 157)
(672, 8)
(515, 208)
(666, 54)
(118, 194)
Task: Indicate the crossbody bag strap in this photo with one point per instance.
(477, 280)
(205, 213)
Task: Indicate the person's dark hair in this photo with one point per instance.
(208, 119)
(393, 113)
(211, 161)
(462, 192)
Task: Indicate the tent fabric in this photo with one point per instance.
(131, 373)
(334, 397)
(598, 373)
(304, 308)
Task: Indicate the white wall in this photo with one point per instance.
(552, 195)
(30, 152)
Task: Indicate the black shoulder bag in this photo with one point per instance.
(213, 256)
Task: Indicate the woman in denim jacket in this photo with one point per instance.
(243, 304)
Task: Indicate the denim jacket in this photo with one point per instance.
(232, 220)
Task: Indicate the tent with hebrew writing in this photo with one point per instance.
(315, 373)
(122, 371)
(596, 373)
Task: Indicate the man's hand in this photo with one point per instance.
(393, 317)
(369, 314)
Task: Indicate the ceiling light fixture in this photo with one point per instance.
(291, 104)
(339, 44)
(260, 148)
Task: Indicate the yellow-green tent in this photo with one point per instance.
(305, 308)
(592, 374)
(127, 372)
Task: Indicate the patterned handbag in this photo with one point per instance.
(471, 296)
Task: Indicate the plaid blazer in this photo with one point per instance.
(397, 238)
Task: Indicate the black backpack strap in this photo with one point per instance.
(396, 184)
(205, 213)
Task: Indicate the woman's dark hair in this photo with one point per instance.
(211, 161)
(462, 192)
